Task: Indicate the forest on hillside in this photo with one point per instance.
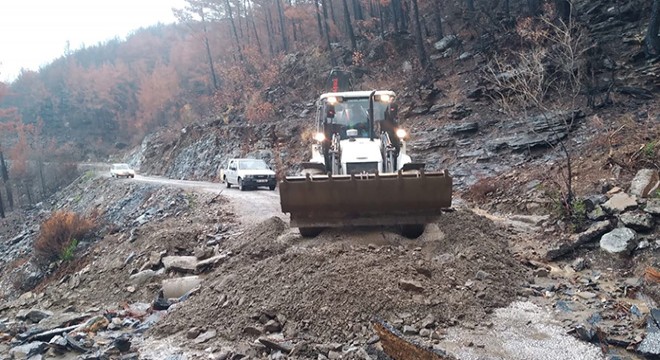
(224, 58)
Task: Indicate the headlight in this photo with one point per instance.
(248, 176)
(319, 136)
(400, 133)
(385, 98)
(331, 99)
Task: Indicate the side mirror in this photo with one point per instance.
(330, 111)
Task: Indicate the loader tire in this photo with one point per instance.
(310, 232)
(412, 231)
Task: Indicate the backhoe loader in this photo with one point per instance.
(360, 174)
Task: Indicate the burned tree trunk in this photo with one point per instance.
(233, 28)
(349, 26)
(564, 10)
(5, 179)
(534, 7)
(421, 52)
(280, 13)
(437, 13)
(318, 17)
(652, 39)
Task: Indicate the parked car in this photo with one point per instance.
(121, 170)
(249, 174)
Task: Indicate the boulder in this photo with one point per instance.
(653, 207)
(180, 263)
(619, 241)
(410, 285)
(142, 277)
(177, 287)
(34, 315)
(28, 350)
(619, 203)
(637, 220)
(645, 180)
(446, 42)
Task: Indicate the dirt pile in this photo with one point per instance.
(330, 288)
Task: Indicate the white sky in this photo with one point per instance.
(34, 32)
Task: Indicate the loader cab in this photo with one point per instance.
(343, 111)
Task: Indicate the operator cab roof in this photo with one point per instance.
(356, 94)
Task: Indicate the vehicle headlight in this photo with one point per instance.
(332, 100)
(248, 176)
(385, 98)
(319, 136)
(400, 133)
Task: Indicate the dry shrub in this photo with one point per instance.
(482, 189)
(58, 234)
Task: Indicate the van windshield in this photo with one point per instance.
(252, 165)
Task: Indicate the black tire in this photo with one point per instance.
(241, 187)
(271, 187)
(132, 176)
(227, 183)
(412, 231)
(310, 232)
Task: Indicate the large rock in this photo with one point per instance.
(592, 234)
(619, 241)
(645, 181)
(619, 203)
(446, 42)
(34, 315)
(650, 346)
(142, 277)
(180, 263)
(28, 350)
(653, 206)
(177, 287)
(637, 220)
(411, 285)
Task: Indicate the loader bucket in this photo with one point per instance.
(344, 200)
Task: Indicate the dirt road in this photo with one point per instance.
(251, 206)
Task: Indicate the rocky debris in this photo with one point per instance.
(592, 234)
(205, 336)
(619, 241)
(650, 346)
(540, 131)
(644, 182)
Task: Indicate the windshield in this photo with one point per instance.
(121, 167)
(252, 165)
(354, 114)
